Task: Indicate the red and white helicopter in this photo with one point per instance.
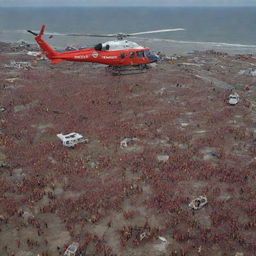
(118, 53)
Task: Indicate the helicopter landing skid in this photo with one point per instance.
(127, 70)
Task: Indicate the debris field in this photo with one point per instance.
(156, 141)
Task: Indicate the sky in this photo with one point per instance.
(12, 3)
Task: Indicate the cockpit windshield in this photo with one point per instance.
(106, 48)
(147, 53)
(142, 54)
(101, 47)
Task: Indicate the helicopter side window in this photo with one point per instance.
(106, 48)
(140, 54)
(132, 54)
(122, 55)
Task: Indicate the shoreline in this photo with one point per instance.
(166, 46)
(182, 47)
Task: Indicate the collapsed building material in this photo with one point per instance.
(26, 215)
(142, 236)
(124, 143)
(244, 56)
(39, 55)
(11, 80)
(35, 54)
(239, 254)
(4, 165)
(3, 218)
(2, 108)
(163, 239)
(163, 158)
(249, 72)
(57, 112)
(233, 98)
(72, 249)
(196, 60)
(71, 139)
(198, 203)
(189, 64)
(161, 91)
(23, 44)
(161, 247)
(19, 65)
(152, 65)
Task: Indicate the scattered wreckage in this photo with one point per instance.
(163, 239)
(19, 65)
(239, 254)
(143, 235)
(198, 203)
(71, 139)
(162, 91)
(4, 164)
(248, 72)
(124, 143)
(23, 44)
(34, 54)
(233, 98)
(162, 246)
(72, 249)
(39, 55)
(12, 80)
(2, 108)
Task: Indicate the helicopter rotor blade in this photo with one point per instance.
(33, 33)
(121, 35)
(156, 31)
(93, 35)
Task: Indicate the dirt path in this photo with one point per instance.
(204, 76)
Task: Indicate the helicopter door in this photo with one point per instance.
(132, 55)
(140, 54)
(122, 57)
(140, 57)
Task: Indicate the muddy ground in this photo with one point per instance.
(187, 142)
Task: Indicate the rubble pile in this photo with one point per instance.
(18, 65)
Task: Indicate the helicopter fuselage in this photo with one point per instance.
(112, 53)
(115, 53)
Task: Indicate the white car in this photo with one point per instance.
(233, 98)
(71, 139)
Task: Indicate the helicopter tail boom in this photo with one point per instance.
(46, 48)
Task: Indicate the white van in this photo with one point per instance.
(71, 139)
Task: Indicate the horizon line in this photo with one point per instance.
(118, 6)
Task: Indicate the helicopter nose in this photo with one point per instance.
(153, 58)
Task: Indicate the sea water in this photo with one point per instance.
(220, 28)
